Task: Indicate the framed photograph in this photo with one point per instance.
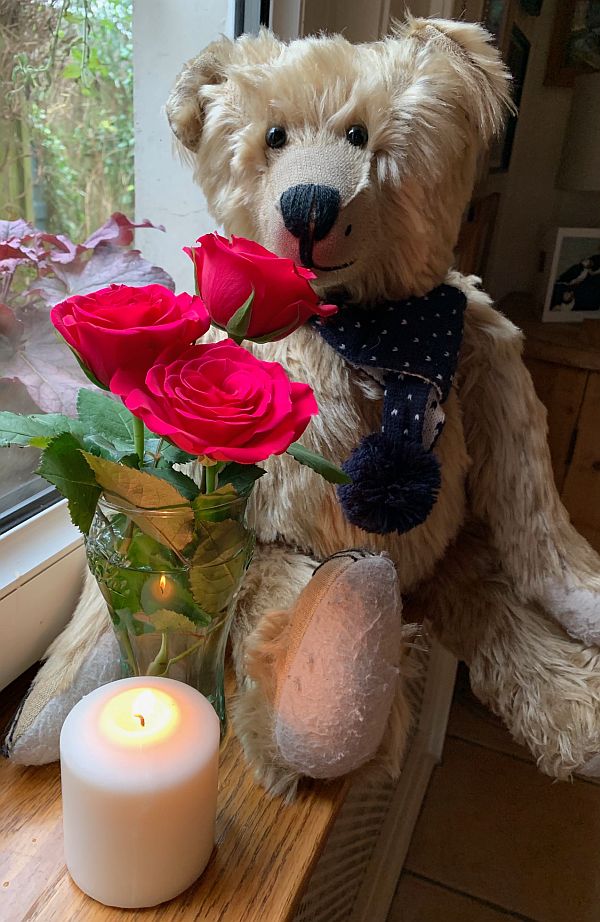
(516, 57)
(575, 42)
(573, 292)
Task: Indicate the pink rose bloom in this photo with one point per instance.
(122, 326)
(218, 400)
(227, 273)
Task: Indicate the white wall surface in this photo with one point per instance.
(166, 33)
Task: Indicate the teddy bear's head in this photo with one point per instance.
(354, 160)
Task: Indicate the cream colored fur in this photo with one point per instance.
(498, 545)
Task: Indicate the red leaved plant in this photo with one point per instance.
(37, 270)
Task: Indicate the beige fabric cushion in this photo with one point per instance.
(35, 731)
(83, 657)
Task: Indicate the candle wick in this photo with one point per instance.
(141, 719)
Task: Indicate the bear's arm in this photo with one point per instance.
(510, 483)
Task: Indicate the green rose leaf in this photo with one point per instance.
(240, 476)
(106, 418)
(37, 430)
(147, 492)
(326, 469)
(174, 455)
(166, 620)
(218, 564)
(63, 465)
(182, 483)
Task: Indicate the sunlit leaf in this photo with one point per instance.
(166, 620)
(182, 483)
(145, 491)
(219, 563)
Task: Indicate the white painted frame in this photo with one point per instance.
(41, 567)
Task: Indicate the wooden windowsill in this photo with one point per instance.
(264, 854)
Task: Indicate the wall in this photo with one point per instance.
(166, 33)
(531, 206)
(443, 8)
(356, 20)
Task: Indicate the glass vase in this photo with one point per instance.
(170, 577)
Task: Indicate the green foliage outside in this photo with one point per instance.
(66, 109)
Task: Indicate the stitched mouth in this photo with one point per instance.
(332, 268)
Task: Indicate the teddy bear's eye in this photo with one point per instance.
(276, 136)
(357, 135)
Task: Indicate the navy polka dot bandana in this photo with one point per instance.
(411, 347)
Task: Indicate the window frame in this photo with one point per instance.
(41, 568)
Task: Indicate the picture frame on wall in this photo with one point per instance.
(573, 292)
(575, 42)
(517, 58)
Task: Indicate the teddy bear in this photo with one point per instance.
(358, 162)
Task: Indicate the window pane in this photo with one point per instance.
(66, 132)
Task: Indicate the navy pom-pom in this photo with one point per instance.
(394, 486)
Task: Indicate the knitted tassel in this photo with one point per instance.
(394, 485)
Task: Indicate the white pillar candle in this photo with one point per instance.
(139, 761)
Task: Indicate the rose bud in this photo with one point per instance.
(252, 293)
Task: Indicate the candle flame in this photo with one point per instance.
(162, 583)
(140, 716)
(144, 706)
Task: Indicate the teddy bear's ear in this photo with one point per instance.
(476, 61)
(185, 104)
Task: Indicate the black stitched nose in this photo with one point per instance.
(309, 212)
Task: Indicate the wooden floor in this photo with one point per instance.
(496, 840)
